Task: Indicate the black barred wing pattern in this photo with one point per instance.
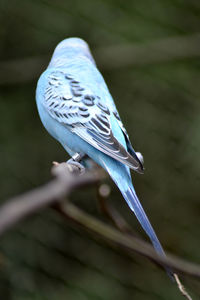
(128, 143)
(85, 114)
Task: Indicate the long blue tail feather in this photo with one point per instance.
(135, 205)
(124, 183)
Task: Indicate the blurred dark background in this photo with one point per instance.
(149, 54)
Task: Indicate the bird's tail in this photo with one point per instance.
(125, 186)
(135, 205)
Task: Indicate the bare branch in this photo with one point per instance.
(102, 193)
(59, 188)
(110, 57)
(33, 201)
(128, 243)
(109, 211)
(182, 288)
(159, 51)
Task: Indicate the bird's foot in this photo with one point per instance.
(75, 161)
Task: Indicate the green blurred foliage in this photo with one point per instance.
(46, 258)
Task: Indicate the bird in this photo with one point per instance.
(77, 109)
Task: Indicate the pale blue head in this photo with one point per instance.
(68, 50)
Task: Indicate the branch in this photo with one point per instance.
(158, 51)
(111, 212)
(120, 223)
(128, 243)
(110, 57)
(18, 208)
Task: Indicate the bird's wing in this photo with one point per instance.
(85, 114)
(128, 142)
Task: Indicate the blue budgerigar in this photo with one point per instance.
(76, 108)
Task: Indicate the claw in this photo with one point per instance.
(75, 161)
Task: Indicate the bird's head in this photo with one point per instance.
(68, 50)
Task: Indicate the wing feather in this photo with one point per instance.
(86, 115)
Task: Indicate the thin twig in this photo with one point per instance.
(181, 287)
(103, 191)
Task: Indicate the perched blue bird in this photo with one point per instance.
(76, 108)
